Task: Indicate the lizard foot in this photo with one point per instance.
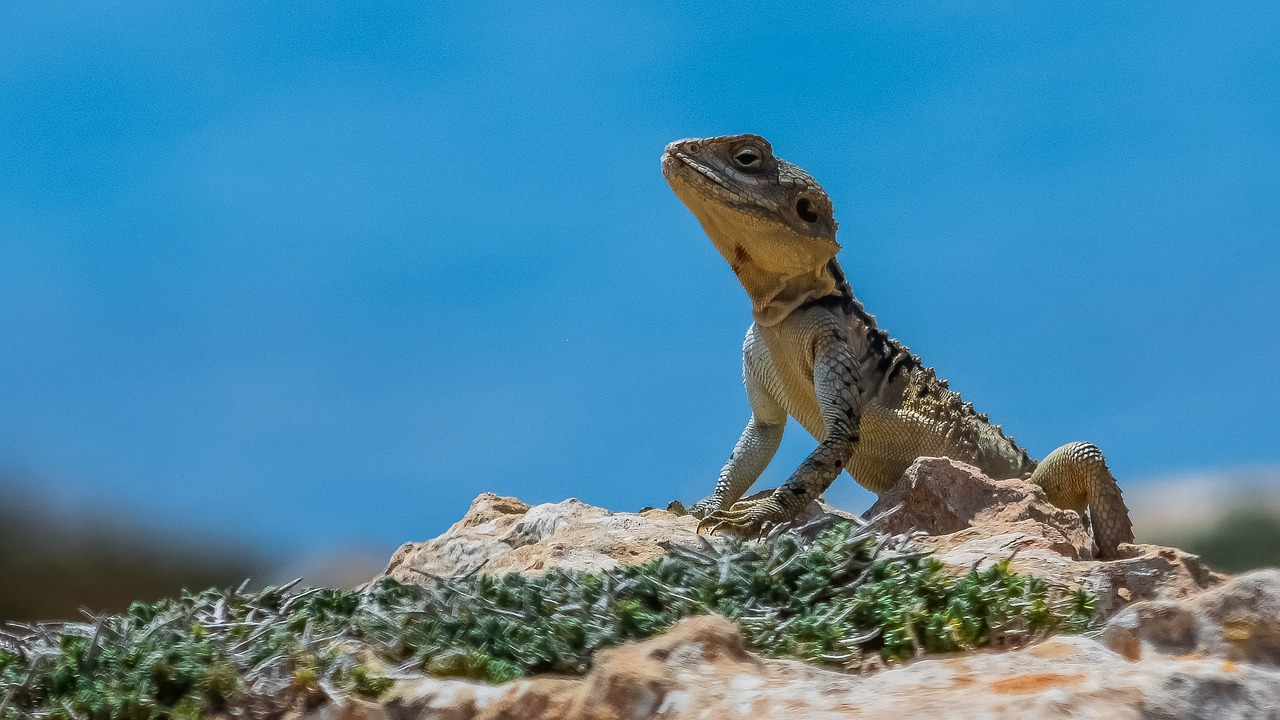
(747, 518)
(700, 509)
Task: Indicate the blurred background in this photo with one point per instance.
(284, 285)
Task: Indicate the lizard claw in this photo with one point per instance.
(702, 509)
(746, 519)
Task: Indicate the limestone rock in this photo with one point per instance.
(972, 520)
(1179, 650)
(940, 496)
(1150, 572)
(700, 670)
(1239, 622)
(502, 534)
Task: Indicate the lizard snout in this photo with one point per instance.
(687, 145)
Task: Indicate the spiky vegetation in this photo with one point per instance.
(841, 599)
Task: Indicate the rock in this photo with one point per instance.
(971, 521)
(941, 496)
(1151, 572)
(502, 534)
(1178, 650)
(1239, 622)
(700, 669)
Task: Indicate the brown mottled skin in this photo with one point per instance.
(815, 355)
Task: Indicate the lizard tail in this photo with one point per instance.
(1076, 477)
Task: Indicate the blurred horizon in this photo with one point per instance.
(309, 277)
(59, 562)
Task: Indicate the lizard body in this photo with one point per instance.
(814, 354)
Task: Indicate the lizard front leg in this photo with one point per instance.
(760, 439)
(835, 381)
(756, 447)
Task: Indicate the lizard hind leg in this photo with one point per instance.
(1076, 476)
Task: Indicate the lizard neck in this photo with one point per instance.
(779, 273)
(774, 296)
(781, 269)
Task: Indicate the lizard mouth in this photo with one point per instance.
(697, 167)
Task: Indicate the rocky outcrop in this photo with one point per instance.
(502, 534)
(700, 669)
(943, 497)
(1239, 621)
(969, 520)
(950, 508)
(1179, 643)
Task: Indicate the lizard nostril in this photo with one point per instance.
(804, 209)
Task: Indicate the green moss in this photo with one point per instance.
(834, 600)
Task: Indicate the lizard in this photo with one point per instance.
(813, 353)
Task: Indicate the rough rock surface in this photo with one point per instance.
(940, 496)
(700, 670)
(971, 520)
(1239, 621)
(1183, 651)
(967, 519)
(502, 534)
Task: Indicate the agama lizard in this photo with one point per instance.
(814, 354)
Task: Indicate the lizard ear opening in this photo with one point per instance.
(804, 208)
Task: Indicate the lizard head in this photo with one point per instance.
(763, 214)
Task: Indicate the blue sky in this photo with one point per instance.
(311, 272)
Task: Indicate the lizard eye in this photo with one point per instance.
(747, 158)
(804, 209)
